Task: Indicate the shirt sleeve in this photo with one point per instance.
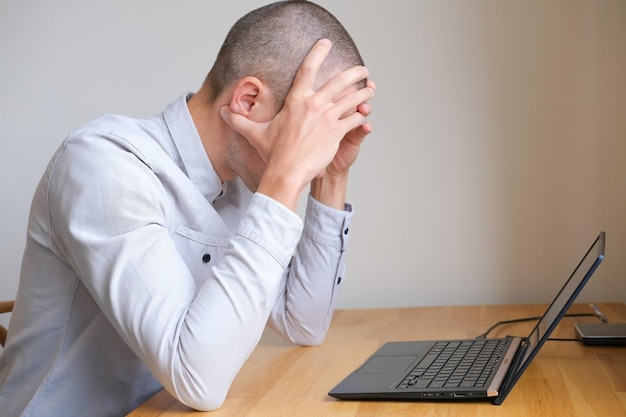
(309, 288)
(108, 217)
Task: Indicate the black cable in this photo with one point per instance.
(503, 322)
(597, 313)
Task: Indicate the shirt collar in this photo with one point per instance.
(192, 157)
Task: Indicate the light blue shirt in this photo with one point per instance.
(143, 271)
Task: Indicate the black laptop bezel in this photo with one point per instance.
(523, 365)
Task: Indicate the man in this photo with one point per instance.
(159, 248)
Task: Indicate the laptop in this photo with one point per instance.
(463, 369)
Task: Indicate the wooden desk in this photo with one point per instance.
(565, 379)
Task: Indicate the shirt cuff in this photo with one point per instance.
(326, 225)
(272, 226)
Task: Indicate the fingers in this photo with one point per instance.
(364, 108)
(336, 85)
(334, 90)
(355, 102)
(352, 122)
(252, 131)
(356, 136)
(305, 77)
(236, 121)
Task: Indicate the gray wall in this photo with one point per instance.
(499, 149)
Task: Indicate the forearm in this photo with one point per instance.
(309, 292)
(226, 318)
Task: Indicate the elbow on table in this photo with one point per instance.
(307, 338)
(200, 396)
(207, 402)
(299, 332)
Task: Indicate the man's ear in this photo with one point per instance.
(253, 99)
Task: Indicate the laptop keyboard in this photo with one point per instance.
(462, 364)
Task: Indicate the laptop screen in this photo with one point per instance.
(564, 299)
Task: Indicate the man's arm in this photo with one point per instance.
(310, 288)
(110, 222)
(308, 293)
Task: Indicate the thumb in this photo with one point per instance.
(252, 131)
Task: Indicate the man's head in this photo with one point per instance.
(270, 43)
(254, 72)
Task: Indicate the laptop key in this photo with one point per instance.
(427, 361)
(422, 383)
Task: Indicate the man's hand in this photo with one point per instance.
(304, 140)
(330, 187)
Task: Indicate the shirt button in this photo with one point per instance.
(345, 232)
(338, 280)
(206, 258)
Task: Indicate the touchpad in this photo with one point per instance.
(386, 364)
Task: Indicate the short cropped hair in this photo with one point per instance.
(271, 42)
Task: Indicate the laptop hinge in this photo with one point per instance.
(506, 363)
(506, 383)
